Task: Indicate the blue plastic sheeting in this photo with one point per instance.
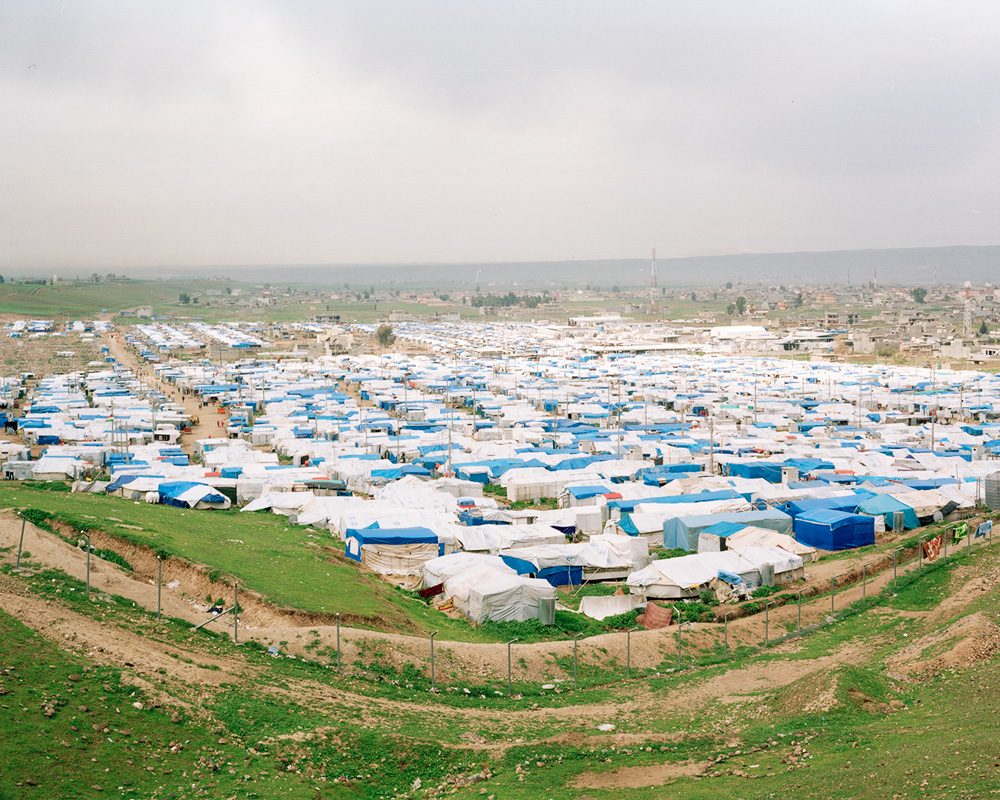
(834, 530)
(770, 472)
(398, 472)
(836, 477)
(729, 577)
(718, 494)
(580, 462)
(583, 492)
(562, 576)
(656, 476)
(682, 532)
(724, 528)
(171, 491)
(885, 505)
(928, 483)
(471, 518)
(391, 536)
(521, 566)
(807, 425)
(499, 466)
(846, 503)
(474, 472)
(123, 480)
(804, 465)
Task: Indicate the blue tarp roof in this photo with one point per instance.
(682, 532)
(718, 494)
(171, 491)
(827, 529)
(414, 535)
(885, 505)
(388, 537)
(724, 528)
(583, 492)
(846, 503)
(398, 472)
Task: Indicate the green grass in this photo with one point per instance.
(281, 562)
(278, 729)
(76, 728)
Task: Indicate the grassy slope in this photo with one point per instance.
(87, 299)
(942, 745)
(280, 562)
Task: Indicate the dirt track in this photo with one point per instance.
(151, 663)
(209, 418)
(185, 589)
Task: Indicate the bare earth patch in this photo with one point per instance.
(962, 644)
(639, 777)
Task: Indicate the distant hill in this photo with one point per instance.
(903, 266)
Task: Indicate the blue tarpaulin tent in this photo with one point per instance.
(834, 530)
(388, 537)
(682, 532)
(700, 497)
(188, 494)
(562, 575)
(585, 492)
(885, 505)
(803, 505)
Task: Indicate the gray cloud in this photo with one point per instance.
(267, 132)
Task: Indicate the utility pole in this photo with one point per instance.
(936, 405)
(711, 445)
(755, 393)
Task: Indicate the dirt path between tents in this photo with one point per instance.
(211, 424)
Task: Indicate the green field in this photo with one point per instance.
(848, 730)
(82, 300)
(285, 564)
(86, 300)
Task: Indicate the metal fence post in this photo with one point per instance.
(576, 639)
(88, 564)
(159, 583)
(628, 652)
(432, 659)
(236, 612)
(833, 595)
(864, 581)
(20, 544)
(338, 641)
(508, 664)
(800, 608)
(894, 552)
(725, 622)
(767, 622)
(677, 613)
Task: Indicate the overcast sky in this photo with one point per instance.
(187, 133)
